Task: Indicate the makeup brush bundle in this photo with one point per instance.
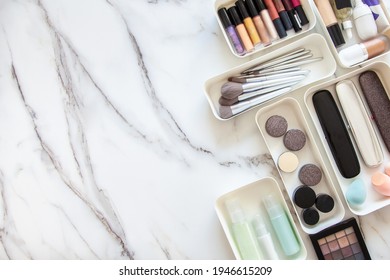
(264, 82)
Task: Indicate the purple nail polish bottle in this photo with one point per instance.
(230, 30)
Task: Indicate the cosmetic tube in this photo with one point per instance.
(379, 15)
(248, 22)
(264, 238)
(230, 31)
(260, 27)
(283, 14)
(275, 18)
(292, 14)
(243, 233)
(360, 52)
(244, 36)
(343, 11)
(330, 21)
(264, 14)
(364, 21)
(282, 226)
(301, 13)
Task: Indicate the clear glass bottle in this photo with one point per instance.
(343, 11)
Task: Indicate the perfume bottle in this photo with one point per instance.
(343, 11)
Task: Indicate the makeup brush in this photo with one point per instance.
(288, 65)
(231, 89)
(228, 102)
(280, 60)
(226, 112)
(268, 77)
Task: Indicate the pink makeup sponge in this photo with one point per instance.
(381, 183)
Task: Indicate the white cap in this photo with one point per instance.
(364, 21)
(235, 211)
(347, 27)
(353, 54)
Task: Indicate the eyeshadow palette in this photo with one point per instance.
(343, 241)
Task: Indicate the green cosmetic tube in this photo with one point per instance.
(243, 234)
(282, 226)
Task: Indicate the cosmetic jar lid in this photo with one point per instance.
(310, 216)
(260, 5)
(242, 10)
(324, 203)
(226, 22)
(304, 196)
(251, 8)
(232, 11)
(336, 35)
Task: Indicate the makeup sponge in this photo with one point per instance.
(356, 193)
(381, 183)
(276, 126)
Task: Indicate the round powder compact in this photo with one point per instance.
(288, 162)
(324, 203)
(310, 174)
(276, 126)
(310, 216)
(294, 139)
(304, 197)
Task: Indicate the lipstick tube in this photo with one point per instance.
(275, 18)
(330, 21)
(292, 14)
(244, 36)
(248, 22)
(260, 27)
(230, 31)
(283, 14)
(264, 14)
(301, 13)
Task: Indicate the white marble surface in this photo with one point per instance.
(108, 147)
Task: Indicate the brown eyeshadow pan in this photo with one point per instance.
(342, 241)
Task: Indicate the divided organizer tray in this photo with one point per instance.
(374, 200)
(306, 5)
(290, 109)
(250, 197)
(319, 70)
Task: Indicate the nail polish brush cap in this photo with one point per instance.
(251, 8)
(232, 11)
(226, 22)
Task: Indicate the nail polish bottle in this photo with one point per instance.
(230, 31)
(260, 27)
(282, 226)
(244, 36)
(264, 14)
(242, 231)
(248, 22)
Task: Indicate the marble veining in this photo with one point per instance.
(108, 147)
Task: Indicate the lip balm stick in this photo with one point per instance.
(300, 11)
(283, 14)
(260, 27)
(248, 22)
(230, 31)
(265, 16)
(330, 21)
(292, 15)
(245, 39)
(275, 18)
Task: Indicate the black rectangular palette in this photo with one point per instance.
(342, 241)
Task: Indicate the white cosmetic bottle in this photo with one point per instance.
(364, 21)
(264, 238)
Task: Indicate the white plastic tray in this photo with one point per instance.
(318, 70)
(374, 200)
(250, 197)
(290, 109)
(306, 5)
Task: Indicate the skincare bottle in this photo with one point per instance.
(360, 52)
(343, 12)
(265, 240)
(364, 21)
(379, 15)
(282, 226)
(243, 233)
